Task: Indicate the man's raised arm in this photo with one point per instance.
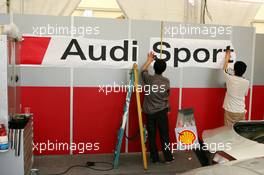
(150, 59)
(227, 58)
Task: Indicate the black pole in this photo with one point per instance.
(8, 6)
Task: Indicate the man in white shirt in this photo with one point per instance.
(236, 91)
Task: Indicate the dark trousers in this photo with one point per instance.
(158, 120)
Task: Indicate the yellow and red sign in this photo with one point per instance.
(187, 137)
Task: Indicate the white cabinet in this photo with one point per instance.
(10, 164)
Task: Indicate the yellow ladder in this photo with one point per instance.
(141, 130)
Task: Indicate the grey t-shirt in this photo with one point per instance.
(156, 92)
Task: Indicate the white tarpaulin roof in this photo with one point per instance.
(169, 10)
(227, 12)
(232, 12)
(41, 7)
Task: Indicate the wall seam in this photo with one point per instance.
(128, 78)
(71, 95)
(252, 75)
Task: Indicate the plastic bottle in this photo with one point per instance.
(3, 139)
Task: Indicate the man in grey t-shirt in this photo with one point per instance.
(156, 107)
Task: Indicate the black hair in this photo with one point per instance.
(240, 68)
(159, 66)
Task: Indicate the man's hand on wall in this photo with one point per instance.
(151, 57)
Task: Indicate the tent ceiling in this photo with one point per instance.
(109, 4)
(232, 12)
(99, 8)
(169, 10)
(227, 12)
(40, 7)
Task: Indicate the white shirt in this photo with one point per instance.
(237, 89)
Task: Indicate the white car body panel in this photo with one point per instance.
(246, 167)
(241, 148)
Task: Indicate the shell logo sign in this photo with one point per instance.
(187, 137)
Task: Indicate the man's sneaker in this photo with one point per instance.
(155, 161)
(170, 161)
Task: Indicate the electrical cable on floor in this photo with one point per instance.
(89, 165)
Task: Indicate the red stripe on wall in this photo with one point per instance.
(33, 49)
(97, 118)
(258, 103)
(207, 104)
(51, 109)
